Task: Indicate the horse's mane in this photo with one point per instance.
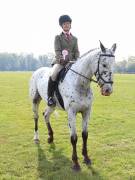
(88, 53)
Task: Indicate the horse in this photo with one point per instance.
(76, 93)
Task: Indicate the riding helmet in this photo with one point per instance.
(63, 19)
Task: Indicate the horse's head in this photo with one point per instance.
(104, 73)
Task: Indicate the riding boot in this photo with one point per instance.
(50, 92)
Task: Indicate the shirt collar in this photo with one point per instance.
(66, 33)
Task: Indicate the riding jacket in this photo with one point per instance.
(63, 43)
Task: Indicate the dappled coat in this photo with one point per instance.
(71, 45)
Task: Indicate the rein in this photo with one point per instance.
(97, 71)
(90, 79)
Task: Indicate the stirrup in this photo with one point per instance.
(51, 101)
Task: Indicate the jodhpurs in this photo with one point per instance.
(55, 70)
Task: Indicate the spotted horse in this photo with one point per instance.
(76, 94)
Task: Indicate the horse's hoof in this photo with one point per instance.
(87, 161)
(50, 140)
(76, 168)
(36, 141)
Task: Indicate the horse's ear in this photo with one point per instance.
(102, 47)
(113, 48)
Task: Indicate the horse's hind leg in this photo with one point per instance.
(49, 110)
(86, 116)
(35, 106)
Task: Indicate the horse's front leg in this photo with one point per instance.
(47, 114)
(85, 116)
(73, 136)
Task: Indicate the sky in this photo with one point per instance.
(29, 26)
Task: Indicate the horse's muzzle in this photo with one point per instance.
(106, 91)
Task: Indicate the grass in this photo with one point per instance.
(111, 142)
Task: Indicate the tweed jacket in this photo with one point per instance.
(71, 45)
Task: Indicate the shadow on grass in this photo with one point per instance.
(58, 167)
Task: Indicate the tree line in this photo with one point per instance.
(125, 66)
(23, 62)
(28, 62)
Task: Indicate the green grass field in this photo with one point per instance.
(111, 142)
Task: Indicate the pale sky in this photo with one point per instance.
(29, 26)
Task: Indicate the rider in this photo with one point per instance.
(66, 49)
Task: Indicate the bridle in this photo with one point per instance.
(97, 73)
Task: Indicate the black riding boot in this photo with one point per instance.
(51, 89)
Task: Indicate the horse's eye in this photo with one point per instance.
(104, 65)
(105, 72)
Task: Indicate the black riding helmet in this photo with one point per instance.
(63, 19)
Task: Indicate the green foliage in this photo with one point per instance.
(23, 62)
(125, 66)
(111, 142)
(27, 62)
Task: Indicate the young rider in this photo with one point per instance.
(66, 49)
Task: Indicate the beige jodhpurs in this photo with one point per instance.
(55, 70)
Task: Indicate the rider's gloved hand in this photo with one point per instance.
(64, 61)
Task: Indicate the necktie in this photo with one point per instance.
(68, 36)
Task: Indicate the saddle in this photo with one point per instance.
(60, 78)
(62, 73)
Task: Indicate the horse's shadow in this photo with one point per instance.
(58, 167)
